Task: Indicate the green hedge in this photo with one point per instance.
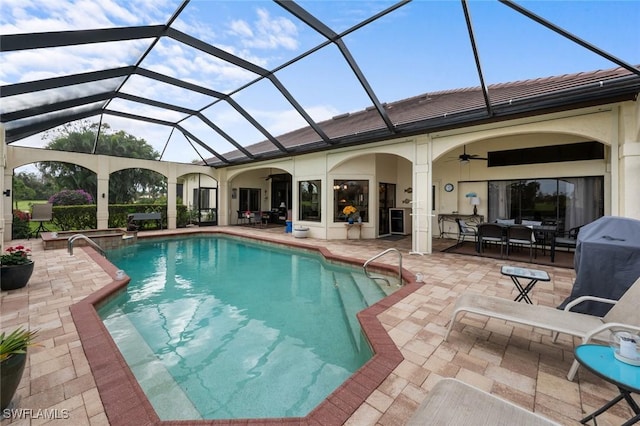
(76, 218)
(83, 217)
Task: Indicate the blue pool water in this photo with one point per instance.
(215, 327)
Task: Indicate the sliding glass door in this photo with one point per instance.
(568, 202)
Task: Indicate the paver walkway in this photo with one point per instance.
(517, 363)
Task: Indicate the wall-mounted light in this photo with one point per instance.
(409, 190)
(7, 193)
(103, 196)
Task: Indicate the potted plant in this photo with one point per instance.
(349, 211)
(13, 357)
(16, 268)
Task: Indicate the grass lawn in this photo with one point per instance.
(25, 205)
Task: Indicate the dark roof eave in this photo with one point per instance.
(501, 112)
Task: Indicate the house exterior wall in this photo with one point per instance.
(420, 162)
(430, 159)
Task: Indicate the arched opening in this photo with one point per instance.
(379, 187)
(199, 194)
(261, 196)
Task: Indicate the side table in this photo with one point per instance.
(533, 275)
(601, 361)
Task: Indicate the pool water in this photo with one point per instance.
(215, 327)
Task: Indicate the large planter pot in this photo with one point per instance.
(11, 370)
(15, 276)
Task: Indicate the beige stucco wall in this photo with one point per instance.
(418, 162)
(103, 166)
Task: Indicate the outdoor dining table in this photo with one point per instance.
(549, 232)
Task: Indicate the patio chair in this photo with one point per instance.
(521, 235)
(569, 239)
(257, 218)
(491, 233)
(452, 402)
(41, 213)
(465, 231)
(242, 217)
(544, 237)
(624, 314)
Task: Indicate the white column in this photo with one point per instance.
(172, 211)
(422, 234)
(102, 213)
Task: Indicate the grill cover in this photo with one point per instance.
(607, 262)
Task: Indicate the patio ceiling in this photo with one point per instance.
(136, 79)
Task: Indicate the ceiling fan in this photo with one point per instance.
(465, 158)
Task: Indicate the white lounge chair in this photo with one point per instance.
(624, 315)
(452, 402)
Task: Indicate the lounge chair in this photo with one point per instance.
(624, 314)
(452, 402)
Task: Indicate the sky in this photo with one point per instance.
(418, 48)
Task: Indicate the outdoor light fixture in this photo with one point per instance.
(475, 202)
(7, 193)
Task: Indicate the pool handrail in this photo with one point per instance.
(366, 272)
(89, 241)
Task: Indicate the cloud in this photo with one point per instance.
(269, 32)
(240, 28)
(280, 122)
(21, 16)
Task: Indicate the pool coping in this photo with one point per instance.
(125, 402)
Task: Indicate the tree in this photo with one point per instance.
(30, 186)
(124, 186)
(21, 191)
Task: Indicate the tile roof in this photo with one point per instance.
(460, 107)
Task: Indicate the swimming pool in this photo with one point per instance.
(214, 327)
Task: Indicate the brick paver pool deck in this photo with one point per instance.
(515, 362)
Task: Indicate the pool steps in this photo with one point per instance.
(169, 400)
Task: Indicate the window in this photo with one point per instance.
(249, 199)
(180, 191)
(350, 193)
(309, 200)
(568, 202)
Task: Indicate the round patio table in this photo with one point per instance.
(600, 360)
